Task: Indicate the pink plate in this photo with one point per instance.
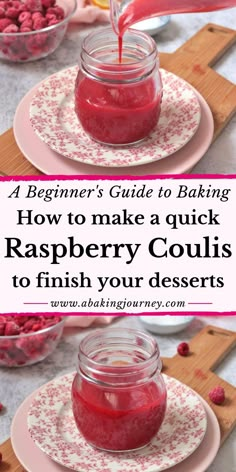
(54, 120)
(53, 429)
(52, 163)
(34, 460)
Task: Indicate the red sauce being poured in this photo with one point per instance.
(138, 10)
(118, 419)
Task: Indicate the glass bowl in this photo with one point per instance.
(27, 349)
(33, 45)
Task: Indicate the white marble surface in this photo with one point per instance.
(17, 384)
(17, 79)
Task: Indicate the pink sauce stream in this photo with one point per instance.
(138, 10)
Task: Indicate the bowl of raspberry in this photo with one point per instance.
(32, 29)
(25, 340)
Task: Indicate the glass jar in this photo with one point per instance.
(118, 103)
(118, 394)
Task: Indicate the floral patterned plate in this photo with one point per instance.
(52, 428)
(54, 120)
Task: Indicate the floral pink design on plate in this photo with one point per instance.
(54, 120)
(52, 428)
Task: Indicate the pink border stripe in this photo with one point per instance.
(51, 178)
(156, 313)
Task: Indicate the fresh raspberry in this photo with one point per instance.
(27, 24)
(50, 17)
(60, 13)
(28, 324)
(25, 29)
(23, 7)
(4, 22)
(2, 5)
(54, 22)
(36, 14)
(183, 349)
(24, 16)
(48, 3)
(16, 4)
(40, 23)
(51, 11)
(2, 12)
(217, 395)
(11, 29)
(2, 328)
(1, 407)
(11, 329)
(12, 13)
(21, 319)
(34, 5)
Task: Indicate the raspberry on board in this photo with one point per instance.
(183, 349)
(217, 395)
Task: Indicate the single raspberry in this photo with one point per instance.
(16, 4)
(60, 13)
(217, 395)
(24, 16)
(40, 23)
(34, 5)
(12, 13)
(50, 17)
(54, 22)
(2, 12)
(11, 29)
(183, 349)
(23, 7)
(21, 319)
(11, 329)
(4, 22)
(51, 11)
(1, 407)
(25, 30)
(2, 328)
(27, 24)
(36, 14)
(28, 325)
(48, 3)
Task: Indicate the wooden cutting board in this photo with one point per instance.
(192, 62)
(207, 349)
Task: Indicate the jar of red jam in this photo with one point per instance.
(118, 394)
(118, 103)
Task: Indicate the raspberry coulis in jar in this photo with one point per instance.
(120, 419)
(117, 113)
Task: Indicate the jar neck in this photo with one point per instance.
(100, 52)
(118, 357)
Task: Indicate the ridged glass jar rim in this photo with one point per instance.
(99, 55)
(138, 343)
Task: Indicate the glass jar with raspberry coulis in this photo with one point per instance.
(118, 393)
(118, 102)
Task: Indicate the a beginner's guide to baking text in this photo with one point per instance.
(110, 245)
